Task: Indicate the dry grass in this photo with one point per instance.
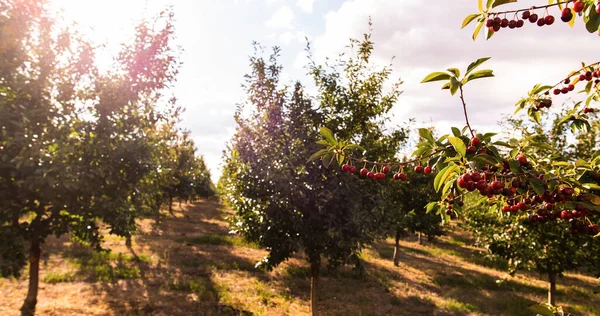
(189, 265)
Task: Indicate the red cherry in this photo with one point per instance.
(418, 169)
(520, 24)
(476, 142)
(565, 90)
(497, 185)
(566, 215)
(471, 150)
(578, 6)
(522, 160)
(470, 186)
(598, 8)
(549, 20)
(462, 183)
(504, 23)
(381, 176)
(481, 185)
(514, 208)
(506, 208)
(512, 24)
(521, 206)
(370, 175)
(402, 176)
(565, 11)
(556, 91)
(385, 169)
(567, 18)
(345, 168)
(364, 172)
(571, 87)
(352, 169)
(427, 170)
(489, 23)
(526, 15)
(541, 22)
(533, 18)
(475, 176)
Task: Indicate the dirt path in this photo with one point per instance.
(189, 265)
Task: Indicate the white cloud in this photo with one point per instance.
(306, 5)
(282, 18)
(520, 57)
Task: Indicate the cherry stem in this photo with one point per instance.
(532, 8)
(462, 99)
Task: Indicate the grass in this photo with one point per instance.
(190, 265)
(219, 240)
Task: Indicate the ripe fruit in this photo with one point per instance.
(475, 142)
(380, 176)
(475, 176)
(489, 23)
(370, 175)
(541, 22)
(565, 215)
(520, 23)
(462, 183)
(521, 206)
(512, 24)
(352, 169)
(598, 8)
(549, 20)
(418, 169)
(578, 6)
(427, 170)
(556, 91)
(345, 168)
(506, 208)
(522, 160)
(471, 150)
(497, 185)
(567, 18)
(533, 18)
(526, 15)
(364, 172)
(481, 185)
(385, 169)
(402, 176)
(571, 87)
(504, 23)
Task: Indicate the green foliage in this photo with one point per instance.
(288, 205)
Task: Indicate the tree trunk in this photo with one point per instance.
(397, 249)
(28, 307)
(419, 237)
(314, 285)
(552, 288)
(171, 206)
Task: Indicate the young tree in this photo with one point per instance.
(283, 202)
(62, 171)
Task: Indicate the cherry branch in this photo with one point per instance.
(394, 163)
(574, 74)
(529, 9)
(462, 99)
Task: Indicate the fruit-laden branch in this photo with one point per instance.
(394, 163)
(530, 8)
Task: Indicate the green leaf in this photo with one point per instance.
(480, 74)
(458, 145)
(328, 159)
(328, 135)
(426, 134)
(537, 184)
(469, 19)
(515, 166)
(454, 71)
(485, 159)
(593, 19)
(323, 142)
(317, 155)
(477, 30)
(476, 64)
(489, 4)
(443, 175)
(591, 186)
(480, 5)
(436, 76)
(454, 85)
(501, 2)
(456, 132)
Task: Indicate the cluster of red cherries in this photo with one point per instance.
(495, 23)
(566, 86)
(381, 175)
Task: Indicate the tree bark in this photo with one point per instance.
(28, 308)
(419, 237)
(314, 285)
(171, 206)
(552, 288)
(397, 249)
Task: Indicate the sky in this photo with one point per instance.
(420, 36)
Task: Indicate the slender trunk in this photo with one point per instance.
(397, 249)
(171, 206)
(28, 307)
(552, 288)
(419, 237)
(180, 203)
(314, 285)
